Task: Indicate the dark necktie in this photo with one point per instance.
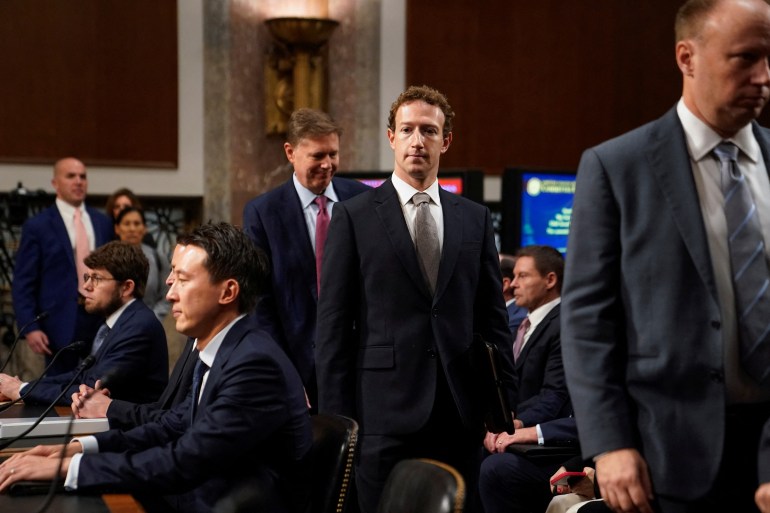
(426, 239)
(748, 266)
(104, 330)
(321, 230)
(519, 342)
(198, 373)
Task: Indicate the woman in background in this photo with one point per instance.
(120, 199)
(131, 227)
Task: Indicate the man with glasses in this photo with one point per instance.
(129, 347)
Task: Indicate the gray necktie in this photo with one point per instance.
(104, 330)
(749, 266)
(426, 239)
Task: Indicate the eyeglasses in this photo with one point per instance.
(96, 279)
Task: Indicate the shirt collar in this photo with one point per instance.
(68, 210)
(210, 351)
(306, 196)
(702, 139)
(538, 314)
(114, 316)
(406, 191)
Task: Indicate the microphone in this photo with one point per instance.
(85, 364)
(39, 317)
(77, 346)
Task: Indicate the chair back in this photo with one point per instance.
(334, 446)
(423, 486)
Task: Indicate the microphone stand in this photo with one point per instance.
(88, 362)
(75, 345)
(39, 317)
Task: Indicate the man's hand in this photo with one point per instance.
(91, 403)
(762, 497)
(26, 467)
(489, 441)
(9, 387)
(525, 435)
(38, 342)
(624, 481)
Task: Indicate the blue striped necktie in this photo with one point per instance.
(751, 279)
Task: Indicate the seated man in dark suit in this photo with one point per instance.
(506, 479)
(246, 421)
(94, 403)
(130, 344)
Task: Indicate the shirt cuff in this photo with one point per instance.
(89, 444)
(71, 482)
(540, 438)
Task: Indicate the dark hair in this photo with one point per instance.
(428, 95)
(230, 254)
(123, 191)
(124, 262)
(506, 267)
(309, 123)
(128, 210)
(547, 260)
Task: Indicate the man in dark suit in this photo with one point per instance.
(510, 482)
(394, 327)
(285, 224)
(88, 403)
(131, 344)
(516, 313)
(245, 423)
(668, 399)
(48, 272)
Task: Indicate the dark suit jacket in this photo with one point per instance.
(127, 415)
(516, 314)
(642, 345)
(379, 328)
(275, 223)
(252, 422)
(541, 390)
(45, 279)
(558, 431)
(134, 356)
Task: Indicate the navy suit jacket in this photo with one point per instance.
(559, 431)
(134, 356)
(275, 223)
(541, 390)
(380, 330)
(251, 424)
(127, 415)
(642, 344)
(45, 279)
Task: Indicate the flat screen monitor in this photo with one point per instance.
(536, 208)
(468, 183)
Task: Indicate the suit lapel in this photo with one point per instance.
(292, 221)
(236, 333)
(670, 163)
(391, 215)
(535, 337)
(118, 327)
(59, 230)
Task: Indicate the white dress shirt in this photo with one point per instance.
(405, 193)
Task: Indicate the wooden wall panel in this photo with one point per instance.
(96, 79)
(536, 83)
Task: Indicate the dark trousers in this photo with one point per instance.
(511, 483)
(443, 438)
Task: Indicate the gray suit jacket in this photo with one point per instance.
(641, 339)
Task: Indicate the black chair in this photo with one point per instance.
(334, 446)
(423, 486)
